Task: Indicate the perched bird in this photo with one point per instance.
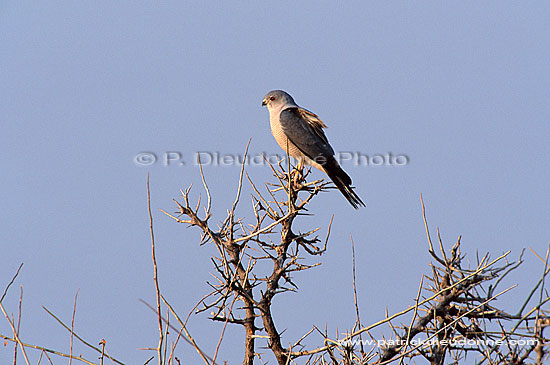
(301, 133)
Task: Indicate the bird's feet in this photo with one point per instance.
(297, 176)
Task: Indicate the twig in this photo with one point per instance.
(358, 320)
(15, 332)
(11, 282)
(190, 341)
(72, 328)
(155, 275)
(231, 215)
(209, 203)
(223, 330)
(18, 325)
(46, 350)
(102, 343)
(78, 337)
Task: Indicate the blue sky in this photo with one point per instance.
(461, 89)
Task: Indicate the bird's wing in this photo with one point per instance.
(305, 130)
(314, 122)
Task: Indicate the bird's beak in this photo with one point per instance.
(264, 103)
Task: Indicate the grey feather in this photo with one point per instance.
(310, 140)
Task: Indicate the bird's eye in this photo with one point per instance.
(271, 98)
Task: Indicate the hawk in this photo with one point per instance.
(301, 133)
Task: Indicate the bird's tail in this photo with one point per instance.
(342, 182)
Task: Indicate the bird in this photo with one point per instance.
(300, 132)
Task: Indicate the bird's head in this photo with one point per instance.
(276, 99)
